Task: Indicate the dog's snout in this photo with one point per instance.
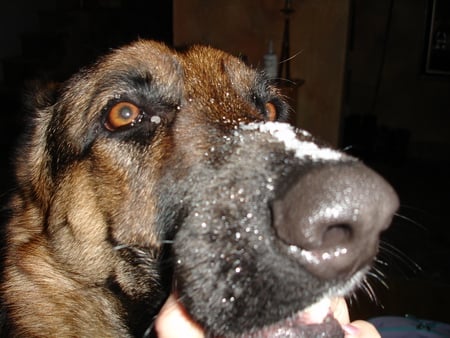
(334, 228)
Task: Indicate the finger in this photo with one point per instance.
(173, 322)
(340, 310)
(360, 329)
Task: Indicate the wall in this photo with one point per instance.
(15, 17)
(318, 34)
(407, 98)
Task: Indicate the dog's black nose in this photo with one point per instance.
(332, 216)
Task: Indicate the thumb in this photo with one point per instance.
(360, 329)
(174, 322)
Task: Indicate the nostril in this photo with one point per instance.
(337, 235)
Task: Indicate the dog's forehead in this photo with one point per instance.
(198, 66)
(220, 87)
(144, 63)
(150, 56)
(200, 72)
(206, 66)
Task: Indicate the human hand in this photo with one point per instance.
(356, 329)
(174, 322)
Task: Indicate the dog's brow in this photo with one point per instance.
(142, 80)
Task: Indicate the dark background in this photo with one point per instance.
(396, 115)
(50, 40)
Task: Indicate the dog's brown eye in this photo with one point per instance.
(121, 114)
(271, 111)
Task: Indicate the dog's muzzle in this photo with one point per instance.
(279, 224)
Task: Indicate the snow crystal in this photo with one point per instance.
(155, 119)
(285, 133)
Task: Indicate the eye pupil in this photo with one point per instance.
(126, 113)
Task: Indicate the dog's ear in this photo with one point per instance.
(33, 165)
(40, 95)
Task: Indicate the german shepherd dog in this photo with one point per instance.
(157, 171)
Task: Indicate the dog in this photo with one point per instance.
(156, 171)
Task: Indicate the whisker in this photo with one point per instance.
(378, 278)
(410, 220)
(121, 247)
(149, 329)
(400, 256)
(373, 295)
(379, 261)
(351, 298)
(286, 80)
(378, 273)
(412, 207)
(347, 148)
(368, 290)
(292, 57)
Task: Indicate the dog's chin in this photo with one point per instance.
(315, 321)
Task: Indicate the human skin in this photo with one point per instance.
(174, 322)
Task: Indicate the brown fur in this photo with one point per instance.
(61, 236)
(58, 227)
(106, 222)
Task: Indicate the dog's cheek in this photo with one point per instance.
(212, 277)
(78, 229)
(119, 220)
(216, 250)
(33, 160)
(126, 176)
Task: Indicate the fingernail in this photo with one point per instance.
(351, 330)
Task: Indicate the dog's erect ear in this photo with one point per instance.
(33, 170)
(40, 95)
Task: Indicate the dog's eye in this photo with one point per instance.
(270, 111)
(122, 114)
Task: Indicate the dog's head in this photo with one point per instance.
(156, 170)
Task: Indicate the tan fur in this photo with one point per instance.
(58, 228)
(77, 202)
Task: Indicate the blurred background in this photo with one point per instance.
(370, 77)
